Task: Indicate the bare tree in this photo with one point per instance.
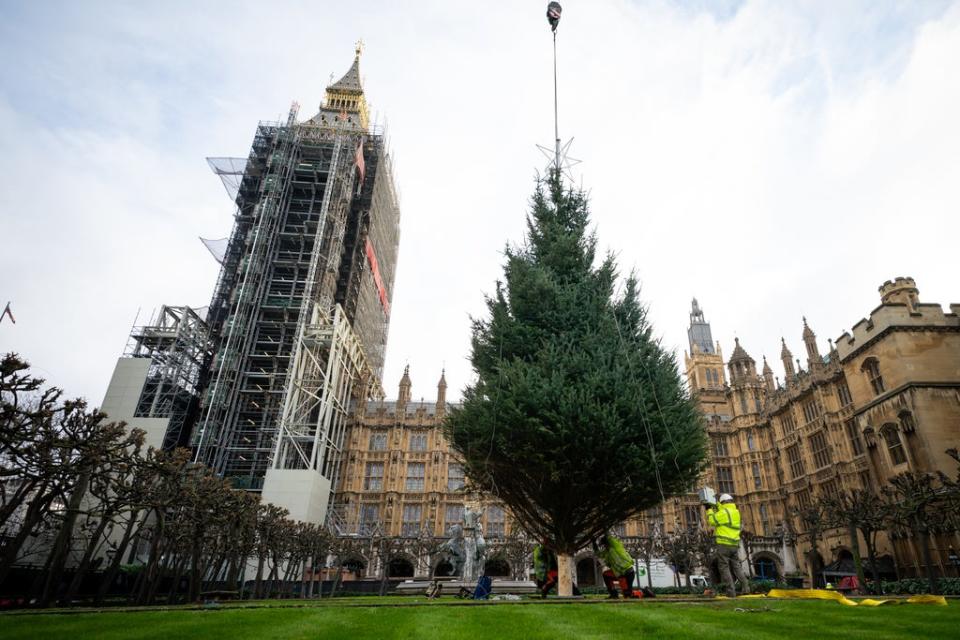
(860, 512)
(517, 550)
(814, 519)
(646, 549)
(918, 501)
(680, 550)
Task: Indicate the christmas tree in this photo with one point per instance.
(578, 419)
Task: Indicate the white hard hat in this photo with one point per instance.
(726, 497)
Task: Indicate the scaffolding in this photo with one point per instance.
(289, 355)
(177, 343)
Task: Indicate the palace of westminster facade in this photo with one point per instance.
(885, 398)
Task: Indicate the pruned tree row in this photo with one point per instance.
(911, 505)
(80, 498)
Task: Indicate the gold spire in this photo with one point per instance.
(345, 99)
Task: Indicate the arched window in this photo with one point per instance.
(751, 445)
(587, 570)
(765, 568)
(891, 436)
(399, 567)
(871, 367)
(443, 568)
(497, 567)
(355, 565)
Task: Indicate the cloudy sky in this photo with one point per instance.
(774, 159)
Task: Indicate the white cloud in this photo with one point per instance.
(774, 161)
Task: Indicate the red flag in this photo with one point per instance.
(7, 312)
(361, 165)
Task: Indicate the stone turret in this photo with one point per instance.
(403, 398)
(743, 368)
(787, 359)
(699, 335)
(900, 291)
(768, 376)
(442, 393)
(814, 361)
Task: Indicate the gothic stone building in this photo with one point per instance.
(885, 398)
(400, 479)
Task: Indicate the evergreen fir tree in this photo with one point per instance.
(578, 419)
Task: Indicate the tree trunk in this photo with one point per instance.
(306, 589)
(111, 573)
(61, 547)
(565, 575)
(35, 512)
(154, 571)
(152, 558)
(161, 569)
(11, 503)
(272, 577)
(233, 571)
(384, 575)
(924, 538)
(173, 594)
(84, 565)
(290, 577)
(874, 569)
(814, 564)
(258, 584)
(195, 568)
(336, 579)
(855, 550)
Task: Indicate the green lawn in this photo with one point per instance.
(713, 620)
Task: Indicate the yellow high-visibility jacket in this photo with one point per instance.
(725, 519)
(616, 557)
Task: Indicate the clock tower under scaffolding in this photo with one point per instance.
(299, 317)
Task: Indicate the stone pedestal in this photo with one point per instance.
(451, 586)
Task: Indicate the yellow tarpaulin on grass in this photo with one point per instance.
(823, 594)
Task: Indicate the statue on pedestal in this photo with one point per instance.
(466, 548)
(454, 549)
(475, 547)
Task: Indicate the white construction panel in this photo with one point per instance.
(303, 492)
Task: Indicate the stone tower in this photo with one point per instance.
(814, 360)
(768, 376)
(442, 393)
(699, 331)
(704, 363)
(900, 291)
(403, 397)
(787, 359)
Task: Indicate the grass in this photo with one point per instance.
(717, 620)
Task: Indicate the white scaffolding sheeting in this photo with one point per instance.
(217, 247)
(231, 172)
